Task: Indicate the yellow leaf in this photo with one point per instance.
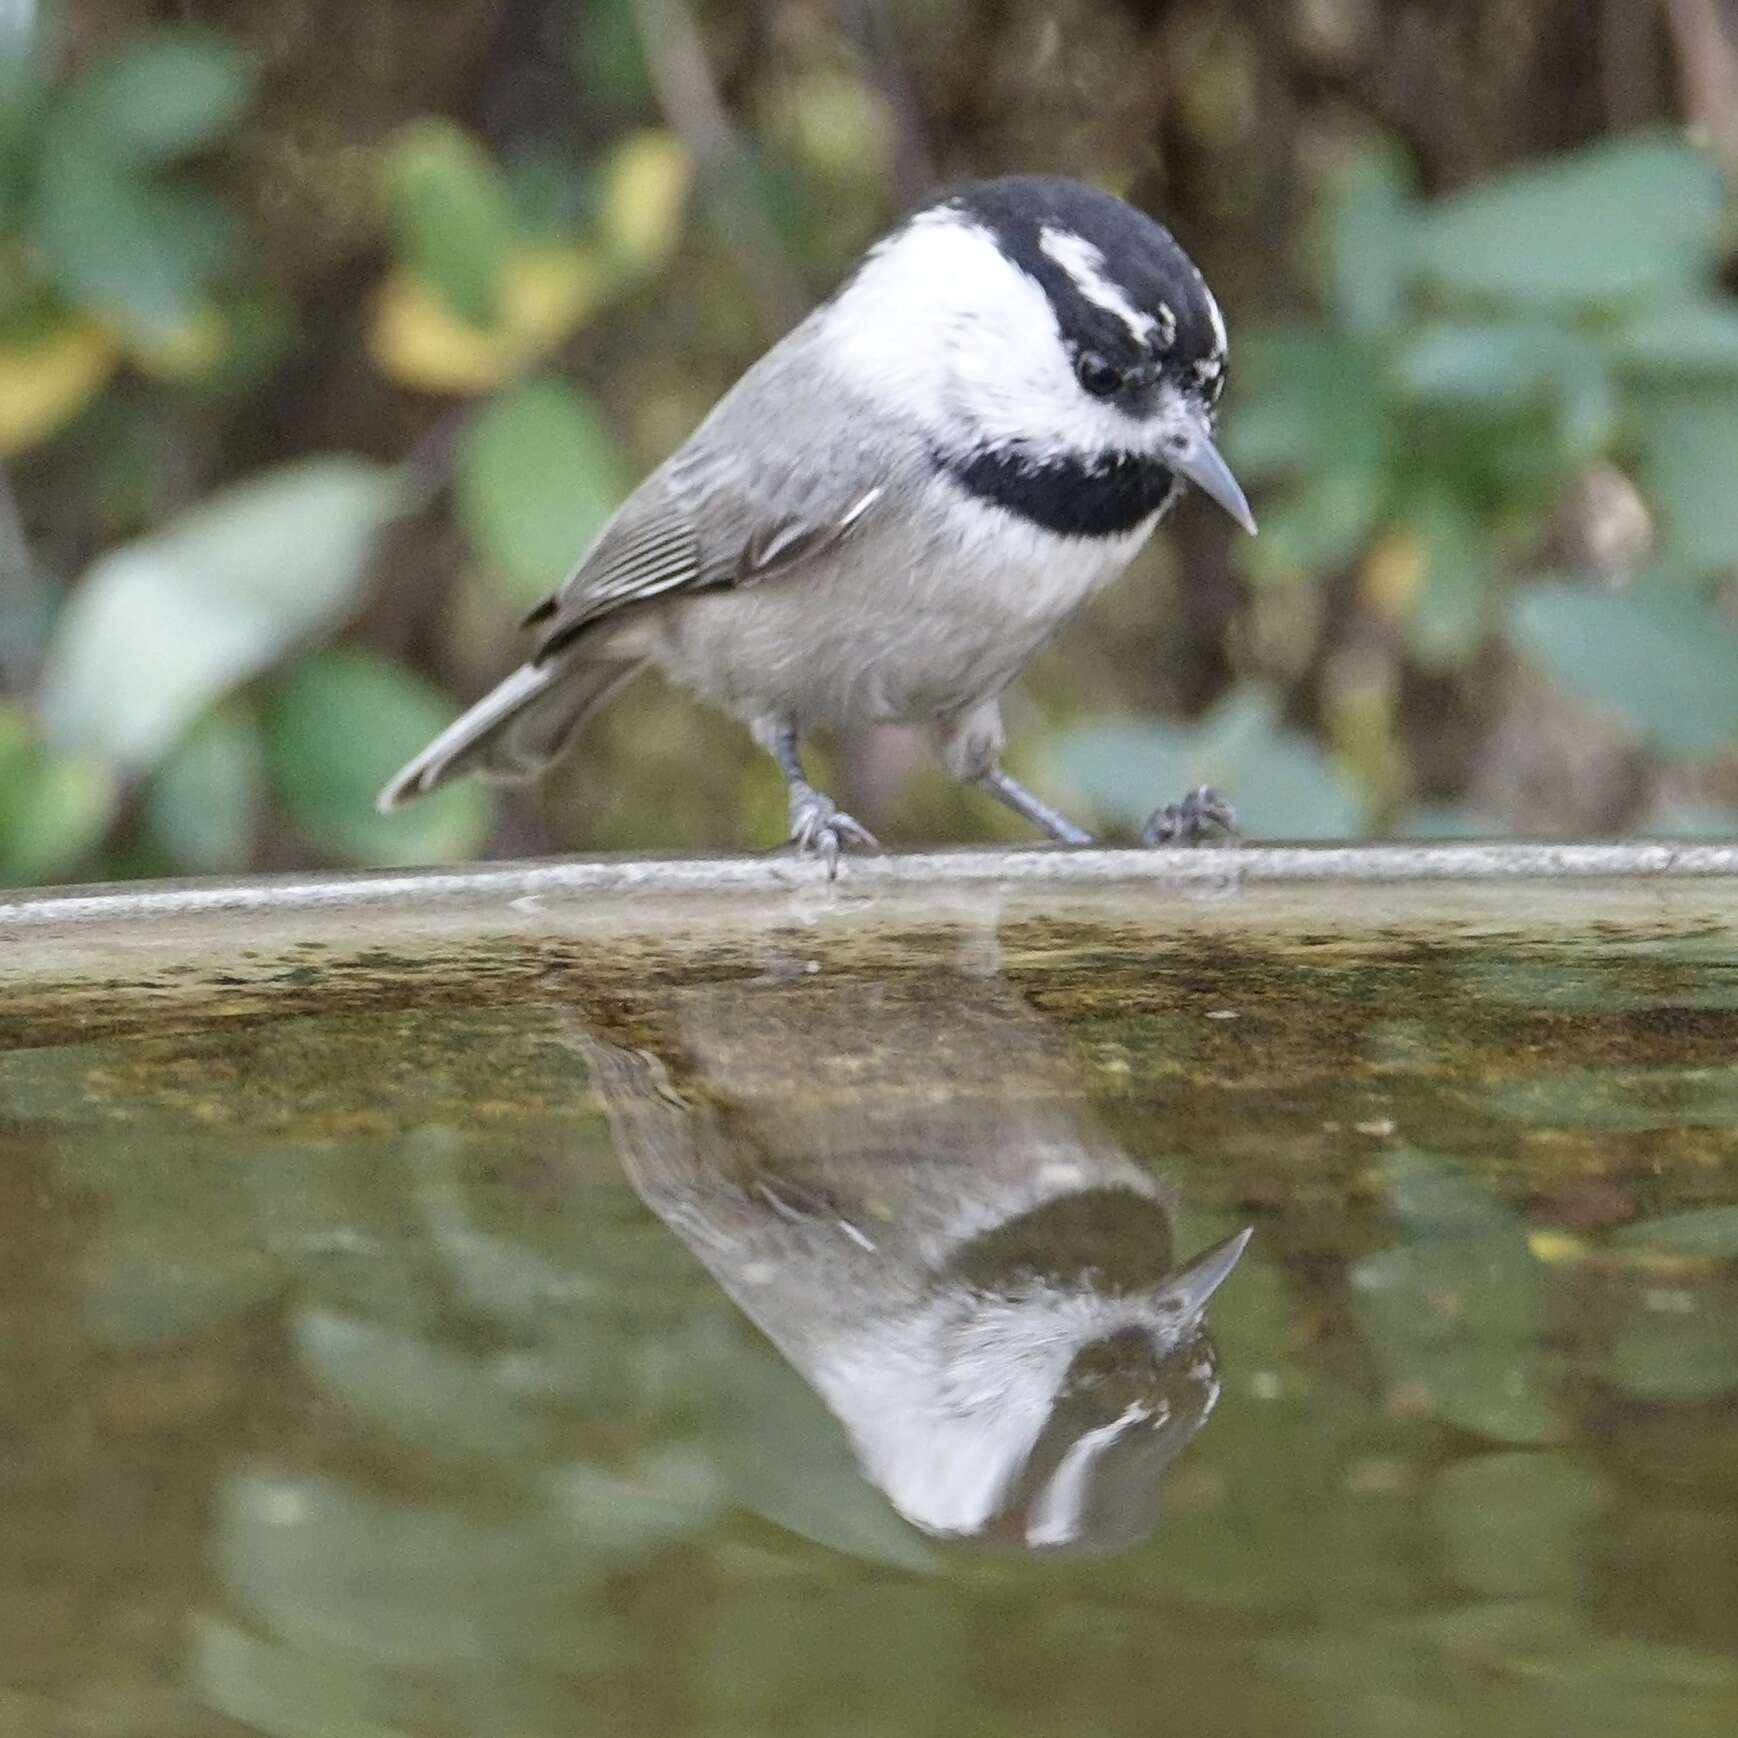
(645, 192)
(47, 379)
(838, 125)
(546, 292)
(188, 352)
(1557, 1248)
(1392, 574)
(549, 290)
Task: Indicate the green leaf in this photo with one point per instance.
(1448, 618)
(259, 332)
(1498, 371)
(609, 53)
(1517, 1524)
(135, 250)
(1312, 409)
(200, 229)
(158, 1277)
(1595, 1681)
(1587, 405)
(1366, 241)
(54, 810)
(452, 216)
(338, 727)
(672, 1495)
(159, 629)
(1489, 1384)
(1703, 1231)
(1281, 783)
(1481, 365)
(1315, 527)
(1501, 1635)
(279, 1691)
(426, 1587)
(496, 1277)
(1696, 338)
(538, 475)
(1429, 1198)
(1687, 1353)
(554, 188)
(334, 1690)
(1614, 1099)
(25, 52)
(163, 94)
(202, 804)
(16, 738)
(1662, 660)
(1457, 1313)
(1618, 221)
(1689, 443)
(1490, 367)
(424, 1394)
(1308, 400)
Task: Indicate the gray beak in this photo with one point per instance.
(1188, 1289)
(1198, 459)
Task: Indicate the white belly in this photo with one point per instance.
(910, 623)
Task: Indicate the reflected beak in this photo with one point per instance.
(1198, 459)
(1190, 1287)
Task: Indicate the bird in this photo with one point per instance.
(897, 506)
(978, 1282)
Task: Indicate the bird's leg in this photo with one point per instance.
(1005, 788)
(819, 827)
(970, 747)
(1202, 811)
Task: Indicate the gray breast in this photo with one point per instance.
(932, 606)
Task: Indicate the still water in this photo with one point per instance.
(833, 1317)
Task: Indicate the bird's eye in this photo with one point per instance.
(1099, 377)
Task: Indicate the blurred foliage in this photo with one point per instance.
(327, 339)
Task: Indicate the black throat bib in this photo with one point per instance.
(1105, 496)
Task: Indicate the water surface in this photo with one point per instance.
(787, 1318)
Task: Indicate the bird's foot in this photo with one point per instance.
(1202, 811)
(820, 828)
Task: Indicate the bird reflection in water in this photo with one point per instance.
(902, 1187)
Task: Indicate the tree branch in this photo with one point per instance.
(676, 58)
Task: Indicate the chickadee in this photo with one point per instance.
(979, 1284)
(899, 504)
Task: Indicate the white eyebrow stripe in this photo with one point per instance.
(1085, 266)
(1221, 342)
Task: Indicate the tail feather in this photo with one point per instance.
(514, 731)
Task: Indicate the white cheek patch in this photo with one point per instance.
(1084, 265)
(940, 328)
(919, 297)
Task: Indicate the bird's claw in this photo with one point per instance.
(1202, 811)
(820, 828)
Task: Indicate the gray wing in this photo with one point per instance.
(738, 504)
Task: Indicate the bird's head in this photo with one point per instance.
(1044, 334)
